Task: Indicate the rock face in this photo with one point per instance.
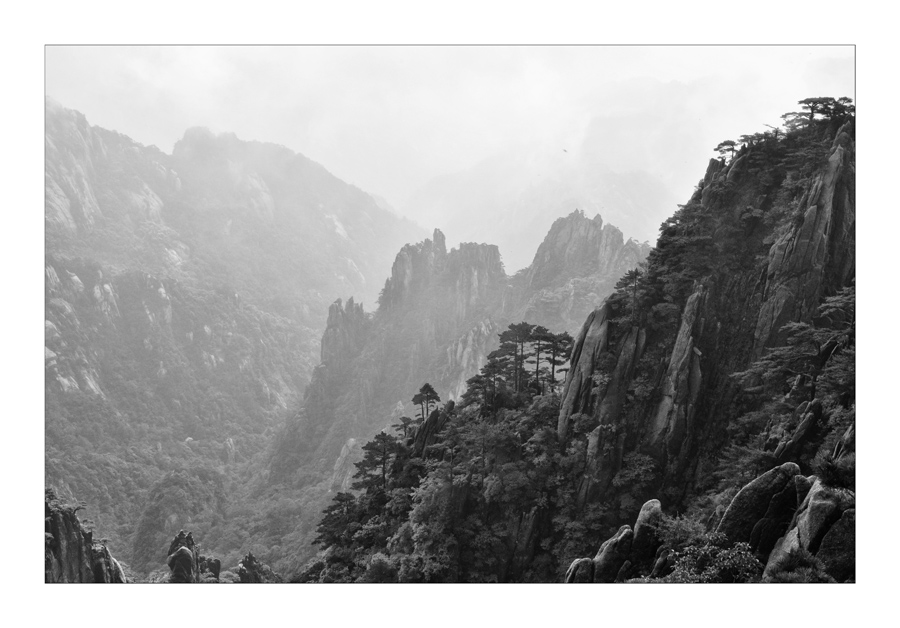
(183, 559)
(673, 420)
(825, 526)
(752, 502)
(575, 268)
(662, 388)
(819, 250)
(577, 396)
(838, 548)
(70, 553)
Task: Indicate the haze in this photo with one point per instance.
(415, 124)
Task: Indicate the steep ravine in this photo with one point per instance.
(438, 318)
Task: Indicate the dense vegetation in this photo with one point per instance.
(491, 494)
(494, 486)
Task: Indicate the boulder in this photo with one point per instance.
(822, 507)
(646, 537)
(581, 570)
(183, 559)
(624, 572)
(211, 566)
(776, 521)
(837, 551)
(663, 565)
(612, 555)
(783, 547)
(752, 502)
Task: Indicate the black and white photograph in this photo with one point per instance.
(334, 297)
(450, 314)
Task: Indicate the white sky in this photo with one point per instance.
(390, 118)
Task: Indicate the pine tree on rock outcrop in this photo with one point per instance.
(424, 398)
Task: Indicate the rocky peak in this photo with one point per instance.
(184, 559)
(469, 270)
(345, 331)
(412, 270)
(579, 246)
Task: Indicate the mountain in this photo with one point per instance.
(185, 296)
(512, 198)
(709, 400)
(438, 318)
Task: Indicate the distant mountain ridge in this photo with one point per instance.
(185, 296)
(512, 198)
(439, 316)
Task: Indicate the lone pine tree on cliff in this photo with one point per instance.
(425, 397)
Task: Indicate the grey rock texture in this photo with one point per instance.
(752, 502)
(818, 253)
(70, 553)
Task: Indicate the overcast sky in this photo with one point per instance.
(388, 119)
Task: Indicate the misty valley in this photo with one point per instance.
(256, 372)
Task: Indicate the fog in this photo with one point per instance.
(414, 124)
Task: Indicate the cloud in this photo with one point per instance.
(388, 119)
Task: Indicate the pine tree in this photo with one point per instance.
(424, 398)
(372, 470)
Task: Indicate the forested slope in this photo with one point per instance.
(185, 296)
(718, 379)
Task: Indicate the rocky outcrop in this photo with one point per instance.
(576, 267)
(210, 568)
(623, 553)
(785, 442)
(427, 431)
(606, 443)
(837, 551)
(345, 333)
(577, 246)
(817, 255)
(824, 526)
(751, 503)
(183, 559)
(577, 395)
(646, 532)
(252, 571)
(468, 354)
(673, 420)
(413, 269)
(612, 555)
(70, 552)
